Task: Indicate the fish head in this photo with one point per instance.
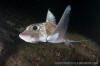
(40, 31)
(34, 33)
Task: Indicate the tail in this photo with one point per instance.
(79, 41)
(69, 42)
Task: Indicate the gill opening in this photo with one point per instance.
(45, 29)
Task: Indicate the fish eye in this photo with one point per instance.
(35, 28)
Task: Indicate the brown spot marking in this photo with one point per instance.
(50, 27)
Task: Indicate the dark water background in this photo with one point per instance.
(85, 14)
(84, 19)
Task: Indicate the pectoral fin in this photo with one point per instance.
(63, 23)
(62, 26)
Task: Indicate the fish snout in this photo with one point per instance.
(25, 33)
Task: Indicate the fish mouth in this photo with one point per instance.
(27, 38)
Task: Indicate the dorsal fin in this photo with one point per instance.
(50, 17)
(61, 28)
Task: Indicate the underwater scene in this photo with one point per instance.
(49, 33)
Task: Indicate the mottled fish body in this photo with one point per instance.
(48, 31)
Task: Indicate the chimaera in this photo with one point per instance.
(49, 31)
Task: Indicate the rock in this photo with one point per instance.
(47, 54)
